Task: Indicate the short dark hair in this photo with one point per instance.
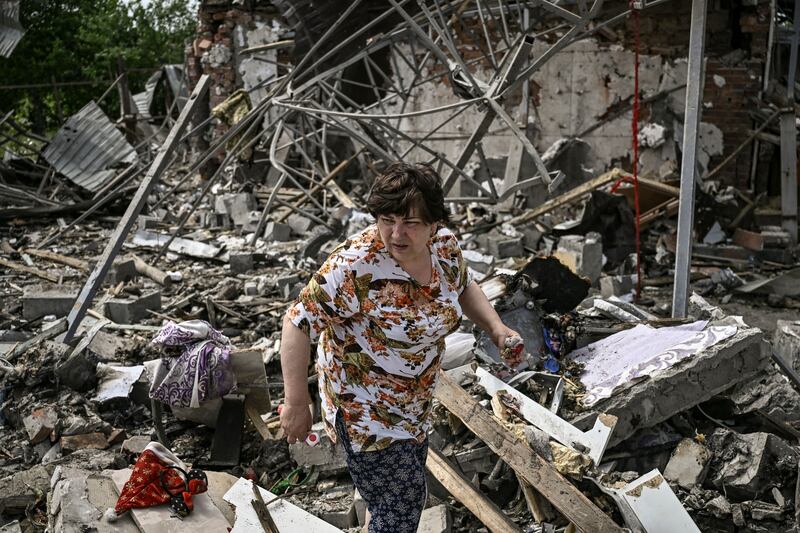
(402, 187)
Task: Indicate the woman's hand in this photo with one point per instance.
(510, 345)
(295, 422)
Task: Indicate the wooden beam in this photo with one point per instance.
(543, 476)
(573, 195)
(58, 258)
(462, 490)
(28, 270)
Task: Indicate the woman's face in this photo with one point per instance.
(406, 236)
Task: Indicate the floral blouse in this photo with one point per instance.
(381, 335)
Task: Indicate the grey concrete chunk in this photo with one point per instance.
(45, 300)
(746, 465)
(241, 263)
(688, 464)
(616, 285)
(133, 309)
(19, 490)
(787, 342)
(504, 247)
(122, 269)
(435, 520)
(78, 370)
(325, 456)
(275, 231)
(40, 423)
(583, 255)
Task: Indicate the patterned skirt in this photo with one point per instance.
(391, 481)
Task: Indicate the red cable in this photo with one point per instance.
(635, 134)
(635, 131)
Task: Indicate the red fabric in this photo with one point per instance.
(145, 489)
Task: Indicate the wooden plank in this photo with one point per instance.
(573, 195)
(539, 473)
(462, 490)
(28, 270)
(58, 258)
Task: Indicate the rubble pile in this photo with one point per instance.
(637, 411)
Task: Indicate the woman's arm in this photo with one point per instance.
(477, 307)
(295, 357)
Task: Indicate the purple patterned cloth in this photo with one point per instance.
(202, 371)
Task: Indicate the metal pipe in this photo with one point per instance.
(694, 93)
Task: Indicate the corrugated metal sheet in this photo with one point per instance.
(11, 31)
(173, 74)
(87, 146)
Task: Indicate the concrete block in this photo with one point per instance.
(435, 520)
(122, 269)
(326, 457)
(147, 222)
(765, 511)
(687, 383)
(299, 225)
(251, 288)
(40, 423)
(583, 255)
(747, 465)
(503, 247)
(46, 300)
(787, 342)
(360, 506)
(237, 206)
(617, 285)
(336, 506)
(286, 283)
(87, 441)
(241, 263)
(133, 309)
(275, 231)
(688, 464)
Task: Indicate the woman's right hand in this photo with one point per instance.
(295, 422)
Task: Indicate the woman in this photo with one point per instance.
(380, 308)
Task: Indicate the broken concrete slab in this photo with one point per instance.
(115, 382)
(287, 516)
(680, 384)
(40, 423)
(237, 206)
(325, 456)
(204, 517)
(43, 300)
(24, 488)
(133, 309)
(748, 464)
(688, 464)
(87, 441)
(71, 504)
(786, 342)
(435, 520)
(648, 504)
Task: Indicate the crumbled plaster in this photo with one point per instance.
(719, 81)
(709, 143)
(255, 68)
(217, 56)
